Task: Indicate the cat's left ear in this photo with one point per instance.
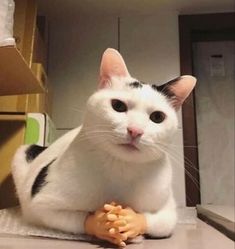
(177, 90)
(112, 64)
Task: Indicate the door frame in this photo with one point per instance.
(193, 28)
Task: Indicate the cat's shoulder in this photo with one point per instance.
(30, 152)
(64, 141)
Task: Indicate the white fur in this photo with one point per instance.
(91, 168)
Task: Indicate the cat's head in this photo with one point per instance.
(131, 120)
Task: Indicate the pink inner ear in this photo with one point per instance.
(182, 88)
(112, 64)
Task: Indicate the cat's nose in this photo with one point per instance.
(135, 132)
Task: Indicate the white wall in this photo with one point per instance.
(150, 48)
(76, 45)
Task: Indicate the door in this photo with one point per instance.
(214, 67)
(195, 29)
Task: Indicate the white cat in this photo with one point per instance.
(116, 155)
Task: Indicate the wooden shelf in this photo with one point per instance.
(15, 75)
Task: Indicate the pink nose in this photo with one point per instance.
(135, 132)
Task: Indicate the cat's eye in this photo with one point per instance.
(157, 117)
(118, 105)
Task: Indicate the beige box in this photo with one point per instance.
(30, 102)
(16, 77)
(12, 131)
(25, 27)
(39, 50)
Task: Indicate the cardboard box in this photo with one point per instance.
(26, 103)
(40, 102)
(30, 102)
(25, 27)
(15, 75)
(40, 129)
(43, 27)
(15, 130)
(14, 103)
(12, 133)
(40, 50)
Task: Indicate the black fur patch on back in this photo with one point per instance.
(33, 151)
(40, 180)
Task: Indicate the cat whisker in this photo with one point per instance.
(188, 162)
(177, 155)
(76, 109)
(177, 145)
(174, 157)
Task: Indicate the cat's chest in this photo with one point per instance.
(88, 185)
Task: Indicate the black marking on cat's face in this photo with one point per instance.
(166, 88)
(40, 180)
(33, 151)
(154, 87)
(136, 84)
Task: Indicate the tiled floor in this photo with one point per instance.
(199, 236)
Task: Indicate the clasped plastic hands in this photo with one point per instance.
(115, 224)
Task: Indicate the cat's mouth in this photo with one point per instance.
(129, 147)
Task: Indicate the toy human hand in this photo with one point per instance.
(135, 222)
(97, 225)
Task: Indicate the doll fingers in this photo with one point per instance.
(127, 218)
(113, 203)
(115, 210)
(99, 215)
(108, 207)
(130, 234)
(114, 233)
(126, 211)
(112, 217)
(108, 224)
(112, 240)
(112, 209)
(124, 228)
(119, 223)
(115, 224)
(122, 244)
(119, 236)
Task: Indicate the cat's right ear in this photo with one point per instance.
(112, 64)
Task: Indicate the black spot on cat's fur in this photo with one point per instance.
(135, 84)
(154, 87)
(40, 180)
(173, 81)
(166, 88)
(33, 151)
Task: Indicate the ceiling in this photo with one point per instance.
(59, 8)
